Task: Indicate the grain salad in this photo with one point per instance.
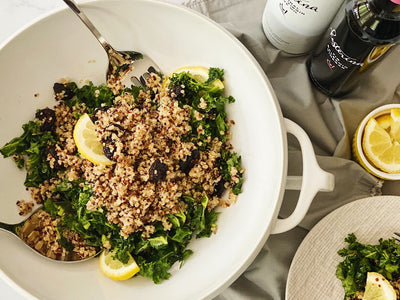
(171, 166)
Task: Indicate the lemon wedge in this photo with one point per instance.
(115, 269)
(385, 121)
(378, 288)
(86, 141)
(198, 73)
(381, 145)
(395, 114)
(391, 123)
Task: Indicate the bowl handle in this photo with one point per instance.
(314, 179)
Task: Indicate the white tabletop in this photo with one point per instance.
(14, 15)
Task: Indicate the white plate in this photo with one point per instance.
(59, 45)
(312, 274)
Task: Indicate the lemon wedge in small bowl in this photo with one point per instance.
(381, 147)
(376, 142)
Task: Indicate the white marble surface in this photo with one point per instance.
(14, 15)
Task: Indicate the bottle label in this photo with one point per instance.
(337, 58)
(343, 54)
(295, 26)
(297, 7)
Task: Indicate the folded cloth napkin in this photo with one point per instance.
(330, 124)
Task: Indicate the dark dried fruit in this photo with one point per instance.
(51, 153)
(176, 91)
(112, 135)
(94, 117)
(109, 148)
(109, 153)
(62, 91)
(158, 171)
(219, 188)
(190, 161)
(47, 118)
(116, 129)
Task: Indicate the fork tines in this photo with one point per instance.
(141, 81)
(151, 69)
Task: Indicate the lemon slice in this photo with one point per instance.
(86, 141)
(115, 269)
(198, 73)
(395, 114)
(378, 288)
(380, 147)
(385, 121)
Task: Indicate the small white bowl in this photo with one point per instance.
(358, 151)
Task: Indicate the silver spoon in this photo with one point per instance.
(119, 61)
(29, 232)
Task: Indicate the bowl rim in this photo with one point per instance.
(6, 278)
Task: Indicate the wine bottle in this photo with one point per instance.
(368, 29)
(296, 26)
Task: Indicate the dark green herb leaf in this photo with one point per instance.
(158, 242)
(174, 221)
(63, 241)
(32, 144)
(182, 234)
(228, 161)
(215, 73)
(52, 208)
(157, 270)
(359, 259)
(92, 96)
(134, 55)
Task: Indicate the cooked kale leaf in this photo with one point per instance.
(226, 163)
(155, 254)
(92, 96)
(359, 259)
(205, 99)
(214, 74)
(29, 150)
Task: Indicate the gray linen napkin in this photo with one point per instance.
(330, 124)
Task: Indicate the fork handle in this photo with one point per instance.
(88, 23)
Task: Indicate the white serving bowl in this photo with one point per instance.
(59, 45)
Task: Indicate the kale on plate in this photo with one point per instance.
(359, 259)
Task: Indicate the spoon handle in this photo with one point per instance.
(8, 227)
(88, 23)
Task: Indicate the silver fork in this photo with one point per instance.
(119, 61)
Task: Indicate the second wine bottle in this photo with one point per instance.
(369, 27)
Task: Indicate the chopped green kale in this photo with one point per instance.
(207, 100)
(133, 55)
(29, 150)
(92, 96)
(359, 259)
(155, 254)
(227, 161)
(214, 74)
